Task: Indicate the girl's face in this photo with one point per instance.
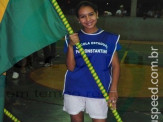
(87, 17)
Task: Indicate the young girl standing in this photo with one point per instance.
(81, 92)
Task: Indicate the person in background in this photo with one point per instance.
(107, 13)
(49, 54)
(121, 11)
(22, 66)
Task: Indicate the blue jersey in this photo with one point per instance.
(100, 48)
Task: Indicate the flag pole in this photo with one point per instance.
(11, 116)
(88, 63)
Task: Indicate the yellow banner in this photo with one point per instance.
(3, 5)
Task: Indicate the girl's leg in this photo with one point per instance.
(77, 118)
(97, 109)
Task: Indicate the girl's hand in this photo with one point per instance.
(113, 97)
(74, 39)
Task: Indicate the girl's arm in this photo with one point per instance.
(70, 60)
(115, 77)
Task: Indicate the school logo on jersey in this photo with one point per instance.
(94, 47)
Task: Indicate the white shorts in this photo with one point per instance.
(96, 108)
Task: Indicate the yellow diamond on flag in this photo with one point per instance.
(3, 5)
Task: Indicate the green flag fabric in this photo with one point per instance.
(2, 95)
(27, 26)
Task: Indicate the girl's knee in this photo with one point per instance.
(77, 118)
(98, 120)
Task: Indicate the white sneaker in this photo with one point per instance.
(15, 75)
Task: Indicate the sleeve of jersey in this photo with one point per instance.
(66, 43)
(119, 47)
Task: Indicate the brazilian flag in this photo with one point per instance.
(26, 26)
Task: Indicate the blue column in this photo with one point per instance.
(2, 95)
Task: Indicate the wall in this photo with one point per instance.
(130, 28)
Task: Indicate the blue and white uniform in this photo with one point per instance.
(100, 48)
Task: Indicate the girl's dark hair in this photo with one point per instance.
(84, 4)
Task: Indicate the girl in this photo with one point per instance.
(81, 91)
